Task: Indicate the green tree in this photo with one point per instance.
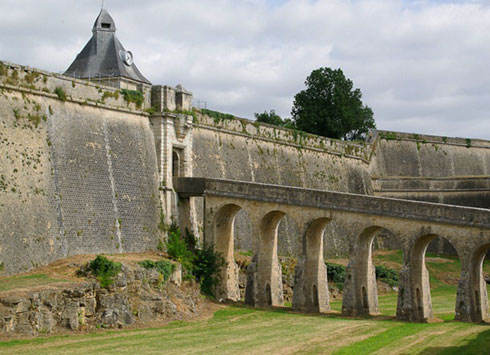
(330, 107)
(272, 118)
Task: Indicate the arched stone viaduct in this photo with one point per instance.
(413, 223)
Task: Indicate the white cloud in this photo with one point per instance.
(421, 65)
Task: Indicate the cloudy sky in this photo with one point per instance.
(422, 65)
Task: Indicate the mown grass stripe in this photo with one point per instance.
(383, 339)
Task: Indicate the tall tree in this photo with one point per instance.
(330, 107)
(269, 117)
(272, 118)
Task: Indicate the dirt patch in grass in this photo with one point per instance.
(439, 260)
(65, 270)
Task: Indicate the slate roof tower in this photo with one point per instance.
(104, 59)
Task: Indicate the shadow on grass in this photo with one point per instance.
(289, 310)
(478, 345)
(242, 307)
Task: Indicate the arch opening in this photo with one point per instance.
(433, 257)
(315, 296)
(268, 295)
(376, 271)
(418, 303)
(365, 302)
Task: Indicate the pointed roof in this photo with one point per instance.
(104, 55)
(104, 22)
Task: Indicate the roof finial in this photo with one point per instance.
(103, 4)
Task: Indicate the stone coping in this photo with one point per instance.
(372, 205)
(432, 139)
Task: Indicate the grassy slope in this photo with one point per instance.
(239, 329)
(244, 330)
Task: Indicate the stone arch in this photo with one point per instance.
(269, 291)
(418, 289)
(478, 288)
(311, 286)
(223, 240)
(361, 276)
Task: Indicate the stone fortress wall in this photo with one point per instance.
(88, 175)
(77, 174)
(400, 165)
(243, 150)
(453, 171)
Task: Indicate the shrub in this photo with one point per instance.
(336, 274)
(105, 270)
(60, 93)
(206, 267)
(190, 241)
(134, 96)
(204, 264)
(108, 94)
(152, 110)
(387, 275)
(164, 267)
(177, 248)
(31, 78)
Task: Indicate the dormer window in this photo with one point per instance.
(106, 25)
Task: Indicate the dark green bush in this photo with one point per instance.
(204, 264)
(206, 267)
(105, 270)
(190, 241)
(336, 274)
(165, 268)
(387, 275)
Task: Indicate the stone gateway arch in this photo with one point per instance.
(414, 224)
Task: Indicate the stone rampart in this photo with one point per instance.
(429, 168)
(391, 164)
(77, 175)
(79, 170)
(238, 149)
